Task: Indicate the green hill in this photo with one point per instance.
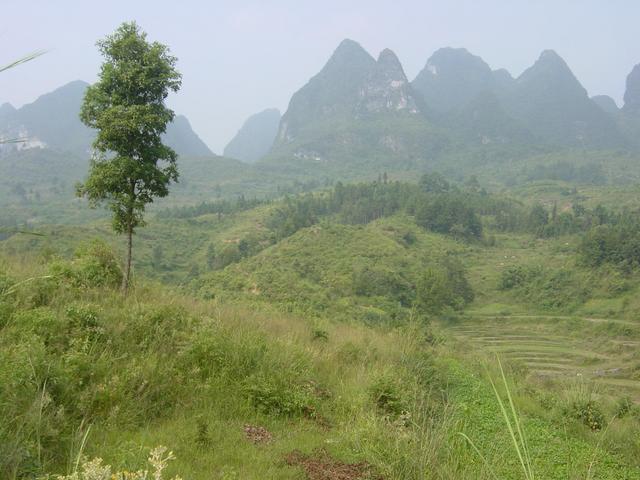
(372, 273)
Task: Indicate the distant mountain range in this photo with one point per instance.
(254, 140)
(359, 109)
(52, 122)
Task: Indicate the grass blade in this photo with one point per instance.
(25, 59)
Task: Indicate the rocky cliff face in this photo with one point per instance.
(632, 93)
(386, 88)
(332, 93)
(356, 108)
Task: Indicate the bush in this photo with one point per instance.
(279, 396)
(443, 286)
(513, 276)
(95, 265)
(319, 334)
(376, 281)
(450, 214)
(623, 407)
(388, 396)
(589, 413)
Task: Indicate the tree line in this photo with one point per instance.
(434, 203)
(219, 207)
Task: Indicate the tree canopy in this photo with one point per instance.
(127, 107)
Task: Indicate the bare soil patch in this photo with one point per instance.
(320, 466)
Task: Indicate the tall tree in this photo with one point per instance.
(130, 166)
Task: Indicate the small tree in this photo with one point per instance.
(127, 107)
(211, 256)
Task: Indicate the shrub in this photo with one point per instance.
(388, 396)
(588, 412)
(319, 334)
(279, 396)
(450, 214)
(443, 286)
(512, 277)
(623, 407)
(377, 281)
(94, 265)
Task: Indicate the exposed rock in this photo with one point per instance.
(387, 88)
(332, 92)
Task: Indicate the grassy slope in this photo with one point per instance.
(154, 368)
(183, 242)
(313, 270)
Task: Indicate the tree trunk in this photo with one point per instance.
(127, 273)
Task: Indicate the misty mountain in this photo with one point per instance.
(453, 77)
(545, 105)
(332, 93)
(359, 109)
(52, 122)
(606, 103)
(184, 140)
(629, 117)
(632, 92)
(552, 104)
(255, 138)
(483, 120)
(462, 93)
(6, 110)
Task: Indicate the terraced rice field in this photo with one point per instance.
(561, 348)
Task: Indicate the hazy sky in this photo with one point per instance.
(239, 57)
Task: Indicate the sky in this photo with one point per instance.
(240, 57)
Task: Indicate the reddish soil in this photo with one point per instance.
(320, 466)
(257, 434)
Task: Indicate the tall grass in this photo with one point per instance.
(513, 423)
(25, 59)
